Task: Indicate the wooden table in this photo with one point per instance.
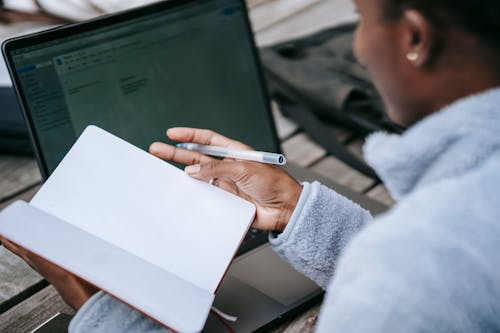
(26, 300)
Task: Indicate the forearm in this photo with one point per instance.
(320, 227)
(102, 314)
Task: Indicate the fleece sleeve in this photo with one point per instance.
(102, 314)
(322, 224)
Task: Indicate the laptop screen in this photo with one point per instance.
(178, 63)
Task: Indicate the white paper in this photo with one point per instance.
(161, 295)
(147, 207)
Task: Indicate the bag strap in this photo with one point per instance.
(317, 130)
(322, 135)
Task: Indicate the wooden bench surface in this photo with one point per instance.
(26, 300)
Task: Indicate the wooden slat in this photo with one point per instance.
(26, 196)
(254, 3)
(381, 194)
(356, 147)
(16, 173)
(273, 12)
(301, 150)
(15, 275)
(336, 170)
(324, 14)
(342, 134)
(284, 126)
(305, 323)
(17, 29)
(33, 312)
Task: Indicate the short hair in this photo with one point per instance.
(480, 18)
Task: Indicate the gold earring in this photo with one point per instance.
(412, 56)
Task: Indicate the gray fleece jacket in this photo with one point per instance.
(430, 264)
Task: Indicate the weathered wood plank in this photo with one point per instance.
(305, 323)
(34, 311)
(26, 196)
(15, 275)
(273, 12)
(336, 170)
(342, 134)
(301, 150)
(325, 13)
(284, 126)
(356, 147)
(381, 194)
(17, 29)
(17, 173)
(254, 3)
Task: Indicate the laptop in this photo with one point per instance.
(137, 73)
(14, 137)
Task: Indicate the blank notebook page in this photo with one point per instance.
(147, 207)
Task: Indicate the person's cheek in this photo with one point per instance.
(359, 45)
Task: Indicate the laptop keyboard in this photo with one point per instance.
(254, 233)
(253, 239)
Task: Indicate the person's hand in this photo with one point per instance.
(74, 291)
(269, 188)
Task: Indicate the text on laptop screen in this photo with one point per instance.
(191, 65)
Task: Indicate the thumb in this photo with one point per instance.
(231, 170)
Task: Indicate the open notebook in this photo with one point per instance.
(135, 226)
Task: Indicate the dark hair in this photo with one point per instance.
(478, 17)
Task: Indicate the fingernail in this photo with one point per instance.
(153, 148)
(192, 169)
(169, 131)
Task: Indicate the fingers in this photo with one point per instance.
(200, 136)
(234, 171)
(183, 156)
(226, 185)
(204, 137)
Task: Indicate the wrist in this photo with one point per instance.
(74, 291)
(289, 208)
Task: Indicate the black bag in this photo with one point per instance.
(317, 79)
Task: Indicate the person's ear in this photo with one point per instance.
(419, 39)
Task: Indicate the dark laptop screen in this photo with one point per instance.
(187, 64)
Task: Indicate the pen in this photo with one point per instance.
(241, 154)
